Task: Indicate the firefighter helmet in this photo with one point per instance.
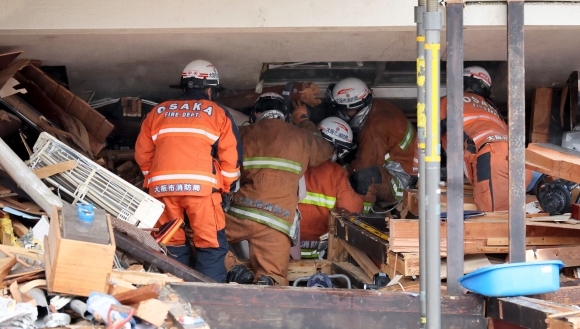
(477, 80)
(339, 134)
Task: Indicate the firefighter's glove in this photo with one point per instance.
(300, 113)
(309, 94)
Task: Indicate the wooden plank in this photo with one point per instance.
(256, 307)
(144, 278)
(6, 264)
(153, 311)
(553, 160)
(301, 267)
(570, 256)
(537, 241)
(361, 259)
(55, 169)
(118, 286)
(405, 263)
(32, 284)
(138, 295)
(540, 115)
(19, 229)
(565, 295)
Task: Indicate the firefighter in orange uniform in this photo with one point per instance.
(190, 152)
(485, 135)
(327, 187)
(387, 142)
(263, 211)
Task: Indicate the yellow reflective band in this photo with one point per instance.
(435, 156)
(421, 117)
(423, 319)
(421, 145)
(420, 72)
(432, 46)
(420, 38)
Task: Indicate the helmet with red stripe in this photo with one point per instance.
(477, 80)
(199, 74)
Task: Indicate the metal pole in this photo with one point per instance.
(432, 21)
(454, 20)
(516, 124)
(421, 126)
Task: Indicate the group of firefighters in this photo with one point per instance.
(274, 181)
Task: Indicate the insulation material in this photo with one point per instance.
(92, 183)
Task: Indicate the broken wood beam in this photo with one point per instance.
(365, 263)
(138, 295)
(153, 311)
(159, 260)
(55, 169)
(570, 255)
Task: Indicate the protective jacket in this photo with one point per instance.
(485, 153)
(276, 155)
(189, 147)
(327, 187)
(386, 136)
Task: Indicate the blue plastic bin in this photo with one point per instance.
(515, 279)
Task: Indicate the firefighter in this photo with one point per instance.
(276, 155)
(485, 140)
(387, 142)
(327, 187)
(190, 152)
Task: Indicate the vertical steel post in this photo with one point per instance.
(516, 125)
(454, 19)
(432, 21)
(421, 126)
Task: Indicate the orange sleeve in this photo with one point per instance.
(346, 197)
(229, 151)
(368, 150)
(145, 148)
(319, 148)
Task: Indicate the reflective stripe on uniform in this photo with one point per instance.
(272, 163)
(485, 133)
(409, 133)
(388, 158)
(396, 188)
(146, 172)
(260, 217)
(319, 200)
(185, 130)
(308, 253)
(230, 175)
(183, 177)
(367, 207)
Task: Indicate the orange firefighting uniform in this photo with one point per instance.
(485, 151)
(386, 136)
(189, 152)
(276, 155)
(327, 188)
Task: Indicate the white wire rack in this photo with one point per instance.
(93, 183)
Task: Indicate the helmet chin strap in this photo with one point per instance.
(271, 114)
(359, 119)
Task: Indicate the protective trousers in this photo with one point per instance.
(206, 218)
(489, 177)
(269, 248)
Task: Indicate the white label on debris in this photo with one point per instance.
(546, 269)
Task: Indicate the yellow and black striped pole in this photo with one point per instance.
(432, 21)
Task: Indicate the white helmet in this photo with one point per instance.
(478, 80)
(351, 94)
(200, 74)
(338, 133)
